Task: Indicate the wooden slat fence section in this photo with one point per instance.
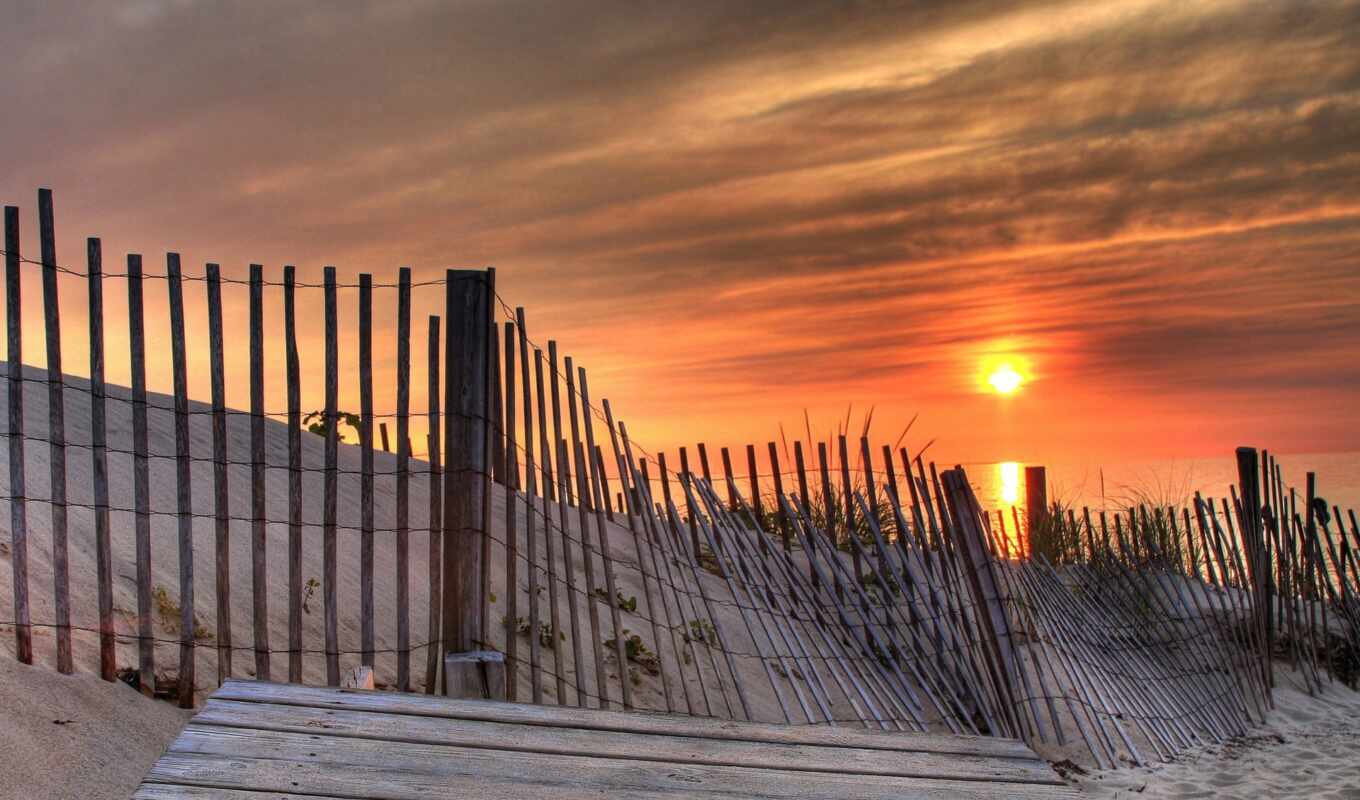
(873, 607)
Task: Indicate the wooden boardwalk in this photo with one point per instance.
(255, 739)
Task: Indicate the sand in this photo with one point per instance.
(1310, 748)
(75, 736)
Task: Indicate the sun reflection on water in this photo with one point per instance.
(1008, 473)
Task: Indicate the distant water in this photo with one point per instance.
(1168, 482)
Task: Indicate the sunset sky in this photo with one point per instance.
(732, 212)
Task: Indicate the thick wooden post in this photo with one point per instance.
(468, 317)
(1036, 503)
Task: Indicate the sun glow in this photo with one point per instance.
(1005, 379)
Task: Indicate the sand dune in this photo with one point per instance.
(1309, 749)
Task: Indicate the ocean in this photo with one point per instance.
(1111, 486)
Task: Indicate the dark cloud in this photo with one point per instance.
(809, 195)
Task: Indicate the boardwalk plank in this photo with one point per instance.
(388, 702)
(311, 764)
(538, 739)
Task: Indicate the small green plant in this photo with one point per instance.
(628, 604)
(545, 632)
(308, 592)
(315, 422)
(170, 613)
(637, 652)
(700, 630)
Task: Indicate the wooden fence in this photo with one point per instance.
(607, 578)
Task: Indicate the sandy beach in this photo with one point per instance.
(1310, 748)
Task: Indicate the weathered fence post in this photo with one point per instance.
(23, 631)
(1253, 544)
(467, 319)
(1036, 503)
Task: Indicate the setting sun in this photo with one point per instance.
(1005, 380)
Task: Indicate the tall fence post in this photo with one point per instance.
(18, 508)
(1036, 503)
(467, 320)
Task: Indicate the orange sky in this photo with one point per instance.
(733, 215)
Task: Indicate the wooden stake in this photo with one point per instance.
(366, 520)
(292, 371)
(434, 650)
(56, 434)
(329, 579)
(18, 508)
(141, 484)
(403, 500)
(221, 491)
(259, 547)
(100, 465)
(183, 485)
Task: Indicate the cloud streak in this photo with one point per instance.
(734, 214)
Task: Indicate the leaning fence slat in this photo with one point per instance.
(778, 479)
(586, 510)
(730, 480)
(56, 423)
(632, 513)
(141, 484)
(511, 529)
(693, 525)
(259, 552)
(492, 439)
(294, 478)
(530, 524)
(403, 479)
(183, 484)
(664, 474)
(18, 509)
(602, 533)
(221, 496)
(563, 509)
(100, 463)
(331, 497)
(366, 524)
(433, 651)
(546, 464)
